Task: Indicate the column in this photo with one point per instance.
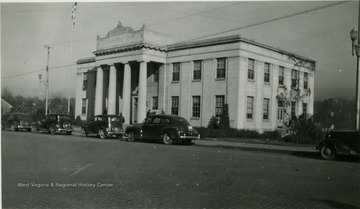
(141, 113)
(99, 91)
(112, 91)
(126, 93)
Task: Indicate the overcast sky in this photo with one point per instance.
(316, 30)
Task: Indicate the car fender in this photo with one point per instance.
(135, 130)
(340, 147)
(172, 131)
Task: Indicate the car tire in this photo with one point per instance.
(52, 131)
(13, 128)
(83, 132)
(167, 139)
(131, 137)
(102, 134)
(327, 152)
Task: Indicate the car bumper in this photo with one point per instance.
(64, 130)
(116, 132)
(190, 137)
(24, 127)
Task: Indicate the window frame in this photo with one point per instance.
(267, 69)
(221, 68)
(176, 74)
(197, 70)
(175, 105)
(306, 80)
(251, 69)
(250, 109)
(266, 109)
(83, 106)
(281, 75)
(219, 105)
(155, 103)
(196, 106)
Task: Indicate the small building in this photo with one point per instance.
(134, 71)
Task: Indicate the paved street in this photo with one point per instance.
(46, 171)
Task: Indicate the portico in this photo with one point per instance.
(122, 71)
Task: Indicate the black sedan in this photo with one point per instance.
(104, 126)
(338, 143)
(16, 121)
(168, 128)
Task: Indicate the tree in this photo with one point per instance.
(224, 118)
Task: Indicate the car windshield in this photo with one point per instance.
(64, 117)
(180, 121)
(115, 119)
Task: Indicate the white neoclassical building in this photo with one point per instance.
(134, 71)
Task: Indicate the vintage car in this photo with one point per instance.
(104, 126)
(53, 124)
(168, 128)
(16, 121)
(338, 143)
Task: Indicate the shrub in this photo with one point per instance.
(303, 130)
(224, 118)
(213, 123)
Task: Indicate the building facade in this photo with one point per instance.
(134, 71)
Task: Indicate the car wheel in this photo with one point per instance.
(131, 137)
(83, 132)
(34, 129)
(68, 132)
(52, 130)
(327, 152)
(102, 134)
(13, 128)
(167, 139)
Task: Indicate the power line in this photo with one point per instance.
(23, 74)
(268, 21)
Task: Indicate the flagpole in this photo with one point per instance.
(71, 51)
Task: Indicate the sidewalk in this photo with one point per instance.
(254, 146)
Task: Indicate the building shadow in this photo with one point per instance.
(335, 204)
(316, 156)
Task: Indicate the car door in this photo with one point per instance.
(155, 132)
(147, 127)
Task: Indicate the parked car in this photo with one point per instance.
(104, 126)
(338, 143)
(168, 128)
(53, 124)
(16, 121)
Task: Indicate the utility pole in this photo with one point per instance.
(355, 34)
(47, 79)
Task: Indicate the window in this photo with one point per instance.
(281, 110)
(294, 79)
(304, 108)
(196, 107)
(84, 80)
(251, 69)
(156, 76)
(293, 109)
(197, 70)
(266, 109)
(156, 120)
(267, 72)
(176, 72)
(250, 110)
(221, 68)
(155, 103)
(83, 106)
(175, 105)
(219, 105)
(281, 75)
(306, 80)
